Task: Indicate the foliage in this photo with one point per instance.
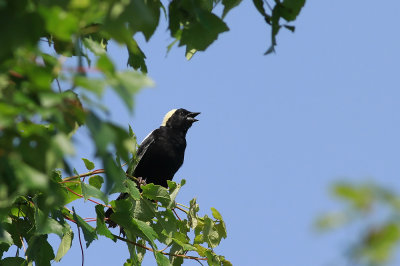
(376, 210)
(38, 120)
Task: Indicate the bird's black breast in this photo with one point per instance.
(161, 155)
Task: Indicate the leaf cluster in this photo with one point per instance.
(147, 219)
(375, 210)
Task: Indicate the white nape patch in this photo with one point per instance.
(167, 116)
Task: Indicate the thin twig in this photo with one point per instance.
(92, 220)
(176, 215)
(164, 249)
(200, 262)
(95, 172)
(89, 218)
(23, 245)
(182, 205)
(81, 196)
(179, 208)
(58, 84)
(80, 243)
(132, 177)
(67, 209)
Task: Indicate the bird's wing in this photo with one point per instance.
(145, 145)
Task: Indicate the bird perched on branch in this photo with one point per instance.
(161, 153)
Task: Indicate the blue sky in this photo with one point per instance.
(275, 131)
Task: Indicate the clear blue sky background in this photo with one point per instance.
(275, 131)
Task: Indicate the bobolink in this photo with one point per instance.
(161, 153)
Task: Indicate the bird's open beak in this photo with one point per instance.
(191, 116)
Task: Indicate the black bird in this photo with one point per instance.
(161, 153)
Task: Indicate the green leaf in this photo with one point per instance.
(331, 220)
(165, 226)
(378, 244)
(47, 225)
(95, 86)
(89, 165)
(30, 177)
(259, 4)
(228, 5)
(216, 214)
(210, 233)
(200, 249)
(360, 197)
(105, 64)
(59, 23)
(65, 245)
(200, 34)
(192, 214)
(4, 246)
(136, 57)
(276, 16)
(141, 251)
(173, 191)
(94, 46)
(225, 262)
(156, 192)
(221, 229)
(183, 241)
(88, 232)
(291, 9)
(129, 262)
(174, 260)
(133, 191)
(212, 258)
(12, 261)
(89, 191)
(114, 173)
(101, 227)
(136, 227)
(161, 259)
(75, 187)
(131, 134)
(143, 16)
(96, 181)
(39, 250)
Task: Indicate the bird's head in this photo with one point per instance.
(180, 119)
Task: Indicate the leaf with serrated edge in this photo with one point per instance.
(89, 232)
(156, 192)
